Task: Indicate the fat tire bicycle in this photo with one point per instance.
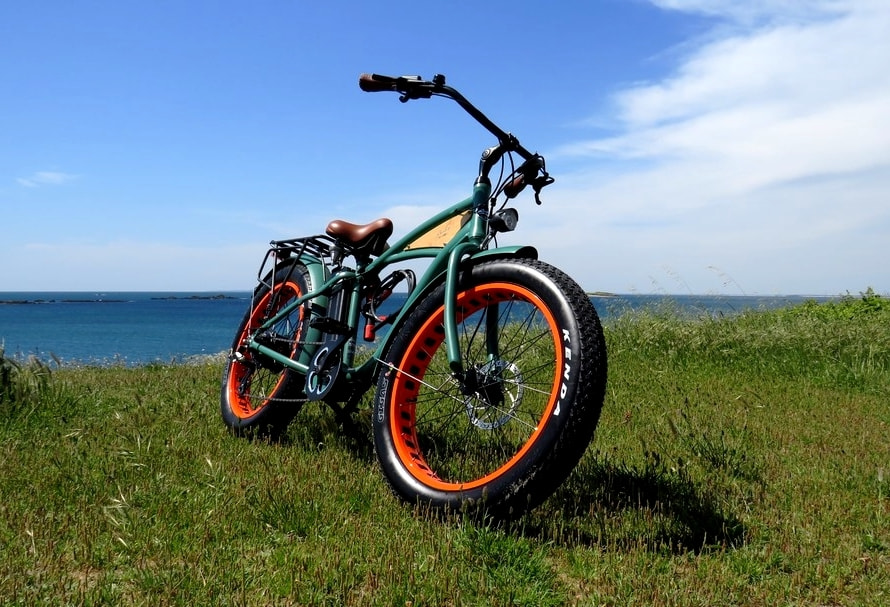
(491, 377)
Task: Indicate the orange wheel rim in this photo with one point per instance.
(413, 379)
(243, 376)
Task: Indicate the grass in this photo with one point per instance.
(739, 461)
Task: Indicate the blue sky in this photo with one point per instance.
(704, 146)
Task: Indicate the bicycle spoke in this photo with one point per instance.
(465, 431)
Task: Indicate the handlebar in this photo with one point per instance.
(411, 86)
(414, 87)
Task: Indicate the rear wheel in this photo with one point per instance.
(260, 395)
(502, 436)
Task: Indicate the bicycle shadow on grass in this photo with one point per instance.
(603, 503)
(616, 506)
(319, 424)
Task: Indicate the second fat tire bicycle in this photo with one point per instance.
(491, 374)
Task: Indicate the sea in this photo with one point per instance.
(139, 328)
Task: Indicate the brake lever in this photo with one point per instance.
(539, 184)
(414, 87)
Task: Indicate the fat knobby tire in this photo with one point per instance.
(258, 396)
(501, 438)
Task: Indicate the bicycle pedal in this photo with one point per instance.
(329, 325)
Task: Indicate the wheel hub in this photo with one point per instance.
(493, 391)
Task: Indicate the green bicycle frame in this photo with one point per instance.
(468, 241)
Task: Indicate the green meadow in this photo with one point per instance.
(738, 461)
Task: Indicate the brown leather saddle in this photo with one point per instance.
(362, 240)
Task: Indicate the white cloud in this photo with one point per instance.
(45, 178)
(766, 147)
(753, 11)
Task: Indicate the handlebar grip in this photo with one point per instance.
(512, 189)
(526, 173)
(375, 83)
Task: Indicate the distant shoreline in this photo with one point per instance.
(38, 301)
(25, 302)
(200, 297)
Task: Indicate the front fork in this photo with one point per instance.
(478, 229)
(452, 344)
(470, 380)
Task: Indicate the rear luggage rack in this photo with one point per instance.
(320, 246)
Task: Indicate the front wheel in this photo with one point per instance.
(260, 395)
(501, 436)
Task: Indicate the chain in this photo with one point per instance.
(279, 400)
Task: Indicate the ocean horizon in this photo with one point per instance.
(145, 327)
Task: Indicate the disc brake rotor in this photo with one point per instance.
(505, 376)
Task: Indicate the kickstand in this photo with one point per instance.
(343, 413)
(356, 434)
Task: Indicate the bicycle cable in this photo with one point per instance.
(502, 181)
